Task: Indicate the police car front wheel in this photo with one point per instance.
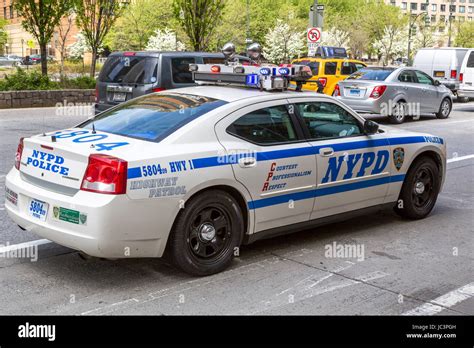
(420, 189)
(207, 233)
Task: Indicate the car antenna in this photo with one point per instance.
(93, 128)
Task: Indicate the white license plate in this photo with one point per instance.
(38, 209)
(354, 92)
(120, 97)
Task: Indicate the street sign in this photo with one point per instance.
(314, 35)
(30, 44)
(312, 48)
(320, 8)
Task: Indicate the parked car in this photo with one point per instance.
(9, 61)
(395, 92)
(443, 64)
(466, 88)
(127, 75)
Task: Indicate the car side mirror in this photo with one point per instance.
(370, 127)
(437, 83)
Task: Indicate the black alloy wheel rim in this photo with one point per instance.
(210, 232)
(423, 188)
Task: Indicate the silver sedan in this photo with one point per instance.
(395, 92)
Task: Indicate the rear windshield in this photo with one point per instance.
(314, 66)
(371, 74)
(153, 117)
(129, 69)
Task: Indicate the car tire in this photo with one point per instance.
(420, 189)
(398, 113)
(444, 108)
(207, 233)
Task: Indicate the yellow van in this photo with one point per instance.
(328, 71)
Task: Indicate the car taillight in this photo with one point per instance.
(158, 89)
(378, 91)
(461, 77)
(105, 174)
(96, 94)
(323, 81)
(19, 152)
(337, 91)
(453, 74)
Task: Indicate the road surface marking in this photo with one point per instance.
(445, 301)
(461, 158)
(25, 245)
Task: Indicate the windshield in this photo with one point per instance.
(153, 117)
(373, 74)
(129, 69)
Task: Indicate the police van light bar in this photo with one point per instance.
(266, 78)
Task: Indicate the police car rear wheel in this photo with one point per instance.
(420, 189)
(444, 109)
(206, 233)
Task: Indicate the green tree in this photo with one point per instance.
(3, 34)
(199, 19)
(40, 18)
(95, 18)
(138, 23)
(465, 35)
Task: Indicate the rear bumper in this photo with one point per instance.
(465, 92)
(115, 227)
(372, 106)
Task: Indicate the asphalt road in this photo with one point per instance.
(409, 266)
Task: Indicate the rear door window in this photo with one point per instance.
(129, 69)
(470, 61)
(330, 68)
(314, 66)
(180, 69)
(348, 68)
(153, 117)
(407, 76)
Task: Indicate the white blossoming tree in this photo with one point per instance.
(282, 43)
(78, 48)
(392, 44)
(164, 40)
(335, 37)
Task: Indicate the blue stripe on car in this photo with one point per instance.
(214, 161)
(266, 202)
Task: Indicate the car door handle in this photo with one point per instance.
(326, 151)
(247, 162)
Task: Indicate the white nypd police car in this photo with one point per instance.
(198, 171)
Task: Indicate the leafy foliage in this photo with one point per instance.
(22, 80)
(165, 40)
(40, 18)
(95, 18)
(199, 19)
(282, 43)
(465, 35)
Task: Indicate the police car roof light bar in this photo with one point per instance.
(268, 78)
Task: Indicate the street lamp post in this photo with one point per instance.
(410, 25)
(450, 16)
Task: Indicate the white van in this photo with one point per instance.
(443, 64)
(466, 88)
